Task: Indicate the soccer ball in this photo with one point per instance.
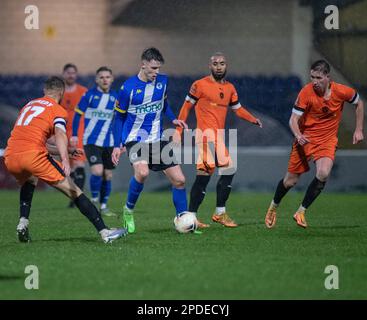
(186, 222)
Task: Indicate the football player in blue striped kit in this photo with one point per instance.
(97, 105)
(137, 126)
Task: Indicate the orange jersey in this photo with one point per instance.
(320, 117)
(211, 100)
(70, 101)
(35, 124)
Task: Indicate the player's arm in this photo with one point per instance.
(61, 142)
(241, 111)
(358, 133)
(79, 111)
(52, 149)
(181, 124)
(120, 115)
(294, 125)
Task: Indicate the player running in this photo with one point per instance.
(27, 158)
(314, 122)
(71, 98)
(97, 107)
(211, 97)
(138, 126)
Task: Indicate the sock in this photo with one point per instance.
(224, 189)
(87, 208)
(301, 209)
(95, 185)
(179, 200)
(280, 192)
(197, 192)
(106, 188)
(220, 210)
(135, 188)
(313, 190)
(79, 177)
(26, 195)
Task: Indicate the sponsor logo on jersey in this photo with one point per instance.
(149, 107)
(102, 115)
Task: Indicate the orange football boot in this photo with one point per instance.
(271, 217)
(299, 217)
(202, 225)
(225, 220)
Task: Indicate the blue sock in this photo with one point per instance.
(179, 200)
(135, 188)
(106, 187)
(95, 185)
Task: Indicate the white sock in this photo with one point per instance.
(301, 209)
(131, 211)
(273, 204)
(23, 223)
(103, 206)
(103, 233)
(94, 199)
(220, 210)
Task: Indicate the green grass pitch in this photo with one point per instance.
(249, 262)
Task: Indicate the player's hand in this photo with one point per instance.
(357, 136)
(74, 141)
(66, 167)
(302, 140)
(180, 123)
(116, 154)
(259, 123)
(75, 152)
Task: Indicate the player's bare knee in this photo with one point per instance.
(179, 182)
(107, 174)
(142, 174)
(322, 174)
(97, 170)
(290, 182)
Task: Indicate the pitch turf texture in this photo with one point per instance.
(249, 262)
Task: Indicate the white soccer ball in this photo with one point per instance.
(186, 222)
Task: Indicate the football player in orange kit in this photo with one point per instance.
(211, 96)
(70, 100)
(314, 122)
(27, 158)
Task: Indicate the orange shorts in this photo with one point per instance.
(34, 163)
(212, 155)
(301, 155)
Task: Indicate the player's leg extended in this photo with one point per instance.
(323, 169)
(284, 185)
(86, 207)
(177, 179)
(197, 193)
(141, 173)
(26, 195)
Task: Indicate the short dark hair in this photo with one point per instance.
(152, 54)
(70, 65)
(103, 68)
(322, 66)
(54, 83)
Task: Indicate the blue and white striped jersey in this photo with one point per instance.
(98, 109)
(143, 104)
